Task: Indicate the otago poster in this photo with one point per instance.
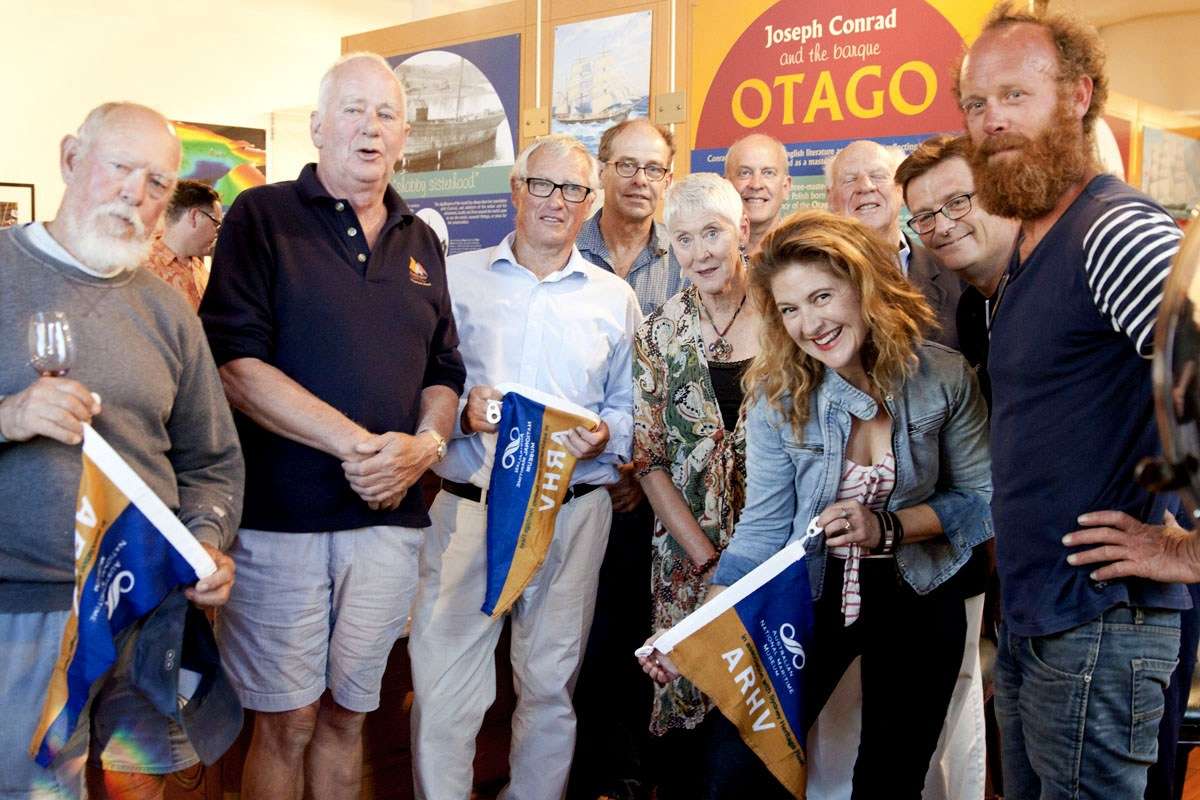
(462, 106)
(817, 75)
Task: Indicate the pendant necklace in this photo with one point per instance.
(721, 349)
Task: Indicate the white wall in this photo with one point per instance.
(1154, 59)
(220, 61)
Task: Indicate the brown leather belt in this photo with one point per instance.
(469, 491)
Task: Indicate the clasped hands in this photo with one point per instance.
(381, 467)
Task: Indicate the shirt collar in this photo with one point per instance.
(840, 392)
(591, 239)
(503, 252)
(313, 191)
(904, 254)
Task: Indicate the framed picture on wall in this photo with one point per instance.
(16, 204)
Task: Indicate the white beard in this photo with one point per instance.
(105, 253)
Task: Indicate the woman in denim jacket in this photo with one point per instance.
(882, 438)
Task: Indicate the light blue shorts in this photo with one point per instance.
(311, 611)
(30, 644)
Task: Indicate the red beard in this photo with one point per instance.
(1029, 185)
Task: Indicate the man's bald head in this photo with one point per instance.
(861, 184)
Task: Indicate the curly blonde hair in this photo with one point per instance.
(896, 315)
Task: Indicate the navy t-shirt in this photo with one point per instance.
(1072, 405)
(364, 329)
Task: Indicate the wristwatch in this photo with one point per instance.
(441, 442)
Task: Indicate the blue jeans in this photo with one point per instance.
(1079, 710)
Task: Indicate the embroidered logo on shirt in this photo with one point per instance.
(417, 273)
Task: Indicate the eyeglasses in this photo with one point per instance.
(956, 207)
(216, 222)
(627, 169)
(571, 192)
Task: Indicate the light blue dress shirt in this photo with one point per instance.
(569, 334)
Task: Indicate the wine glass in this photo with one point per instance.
(51, 344)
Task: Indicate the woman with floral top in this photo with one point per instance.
(690, 445)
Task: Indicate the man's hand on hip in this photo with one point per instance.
(55, 408)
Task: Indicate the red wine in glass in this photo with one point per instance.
(51, 343)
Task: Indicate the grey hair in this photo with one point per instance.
(556, 144)
(780, 149)
(330, 77)
(703, 192)
(98, 118)
(895, 156)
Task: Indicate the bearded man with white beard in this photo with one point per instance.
(144, 378)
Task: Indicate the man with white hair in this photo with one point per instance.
(860, 180)
(329, 316)
(144, 379)
(532, 310)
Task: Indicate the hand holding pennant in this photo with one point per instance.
(130, 550)
(746, 649)
(531, 472)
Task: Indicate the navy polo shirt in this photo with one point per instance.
(364, 329)
(1072, 406)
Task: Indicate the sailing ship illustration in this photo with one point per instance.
(595, 92)
(441, 140)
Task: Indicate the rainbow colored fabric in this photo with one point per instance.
(746, 649)
(531, 473)
(130, 550)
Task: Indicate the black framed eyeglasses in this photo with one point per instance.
(627, 169)
(956, 207)
(216, 222)
(571, 192)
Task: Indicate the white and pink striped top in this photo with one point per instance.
(871, 486)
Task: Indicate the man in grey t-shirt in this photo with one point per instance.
(144, 378)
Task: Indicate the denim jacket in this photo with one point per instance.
(940, 443)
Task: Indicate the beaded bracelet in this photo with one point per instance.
(700, 569)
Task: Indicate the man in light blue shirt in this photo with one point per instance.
(531, 310)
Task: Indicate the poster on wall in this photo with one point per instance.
(463, 107)
(818, 75)
(227, 158)
(601, 75)
(1171, 170)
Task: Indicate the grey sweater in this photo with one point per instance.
(141, 348)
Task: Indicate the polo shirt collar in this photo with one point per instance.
(313, 191)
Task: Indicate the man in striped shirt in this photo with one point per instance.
(1084, 659)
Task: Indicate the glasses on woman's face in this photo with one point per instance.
(956, 207)
(571, 192)
(627, 169)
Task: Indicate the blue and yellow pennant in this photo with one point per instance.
(130, 550)
(531, 473)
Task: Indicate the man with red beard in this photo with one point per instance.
(1085, 654)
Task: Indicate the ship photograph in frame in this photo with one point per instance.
(457, 118)
(601, 75)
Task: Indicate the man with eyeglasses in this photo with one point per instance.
(190, 229)
(757, 166)
(940, 192)
(531, 310)
(861, 183)
(624, 238)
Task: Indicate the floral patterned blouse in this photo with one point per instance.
(678, 429)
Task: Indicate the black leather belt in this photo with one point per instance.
(469, 491)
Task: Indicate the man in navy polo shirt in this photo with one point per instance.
(329, 316)
(1083, 662)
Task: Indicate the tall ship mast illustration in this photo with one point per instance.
(442, 141)
(595, 92)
